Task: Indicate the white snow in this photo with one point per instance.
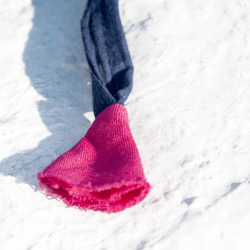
(189, 114)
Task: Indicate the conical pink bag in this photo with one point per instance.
(103, 170)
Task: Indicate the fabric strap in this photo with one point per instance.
(107, 54)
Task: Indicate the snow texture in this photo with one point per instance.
(189, 113)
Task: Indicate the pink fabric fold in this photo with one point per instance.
(103, 171)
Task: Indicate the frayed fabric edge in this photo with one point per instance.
(110, 198)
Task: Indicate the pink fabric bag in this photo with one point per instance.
(103, 171)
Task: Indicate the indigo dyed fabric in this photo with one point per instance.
(107, 54)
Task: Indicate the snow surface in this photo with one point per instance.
(189, 114)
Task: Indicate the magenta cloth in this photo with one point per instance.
(103, 171)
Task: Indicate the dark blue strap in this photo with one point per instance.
(107, 54)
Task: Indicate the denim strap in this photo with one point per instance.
(107, 54)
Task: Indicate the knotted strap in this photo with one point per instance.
(103, 171)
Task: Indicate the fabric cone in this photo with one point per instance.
(103, 171)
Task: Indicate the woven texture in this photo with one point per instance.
(103, 170)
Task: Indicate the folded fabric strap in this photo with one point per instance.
(103, 171)
(107, 54)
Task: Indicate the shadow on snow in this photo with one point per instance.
(57, 68)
